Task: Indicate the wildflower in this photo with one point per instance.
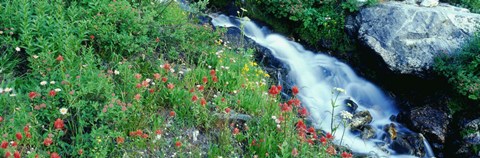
(47, 141)
(157, 39)
(285, 107)
(4, 144)
(63, 111)
(59, 58)
(215, 79)
(201, 88)
(7, 154)
(26, 129)
(301, 125)
(294, 152)
(204, 79)
(52, 93)
(1, 118)
(227, 110)
(92, 37)
(28, 135)
(156, 76)
(120, 140)
(116, 72)
(137, 97)
(235, 131)
(331, 150)
(172, 114)
(166, 66)
(32, 95)
(303, 112)
(13, 143)
(274, 90)
(311, 130)
(295, 90)
(223, 99)
(43, 83)
(57, 89)
(194, 98)
(212, 72)
(138, 76)
(13, 95)
(52, 82)
(58, 124)
(346, 155)
(7, 90)
(80, 151)
(17, 49)
(54, 155)
(159, 132)
(346, 115)
(164, 79)
(170, 86)
(340, 90)
(329, 135)
(178, 144)
(19, 136)
(203, 102)
(323, 140)
(35, 56)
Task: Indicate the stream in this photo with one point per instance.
(321, 78)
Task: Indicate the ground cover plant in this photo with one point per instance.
(124, 78)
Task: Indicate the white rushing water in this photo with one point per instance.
(317, 75)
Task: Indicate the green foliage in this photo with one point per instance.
(314, 21)
(463, 70)
(473, 5)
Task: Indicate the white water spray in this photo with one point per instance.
(317, 75)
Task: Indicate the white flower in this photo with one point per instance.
(35, 56)
(340, 90)
(13, 95)
(209, 66)
(52, 82)
(148, 80)
(235, 91)
(43, 83)
(274, 117)
(278, 125)
(1, 90)
(63, 111)
(6, 90)
(17, 49)
(116, 72)
(227, 67)
(57, 89)
(277, 121)
(346, 115)
(172, 70)
(180, 72)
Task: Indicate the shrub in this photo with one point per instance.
(463, 69)
(473, 5)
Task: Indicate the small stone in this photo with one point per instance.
(429, 3)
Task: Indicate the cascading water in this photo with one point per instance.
(317, 75)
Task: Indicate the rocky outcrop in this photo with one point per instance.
(409, 36)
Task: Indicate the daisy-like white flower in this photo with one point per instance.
(13, 95)
(63, 111)
(17, 49)
(52, 82)
(35, 56)
(57, 90)
(7, 90)
(341, 90)
(116, 72)
(1, 90)
(43, 83)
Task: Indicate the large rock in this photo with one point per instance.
(409, 36)
(431, 121)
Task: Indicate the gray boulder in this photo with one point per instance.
(409, 36)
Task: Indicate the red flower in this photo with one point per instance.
(1, 118)
(212, 72)
(137, 97)
(295, 90)
(151, 90)
(301, 126)
(204, 79)
(138, 76)
(58, 124)
(52, 93)
(170, 86)
(323, 140)
(192, 90)
(215, 79)
(4, 144)
(48, 141)
(16, 154)
(203, 102)
(157, 39)
(274, 90)
(28, 135)
(166, 67)
(303, 112)
(32, 95)
(172, 114)
(14, 144)
(80, 151)
(279, 87)
(59, 58)
(346, 155)
(223, 99)
(329, 135)
(311, 130)
(19, 136)
(227, 110)
(294, 152)
(159, 132)
(26, 128)
(120, 140)
(7, 154)
(331, 150)
(164, 79)
(178, 144)
(156, 76)
(92, 37)
(54, 155)
(236, 131)
(194, 98)
(285, 107)
(201, 88)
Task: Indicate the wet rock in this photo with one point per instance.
(351, 105)
(360, 119)
(391, 131)
(368, 132)
(431, 121)
(469, 139)
(411, 144)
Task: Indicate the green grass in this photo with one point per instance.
(127, 73)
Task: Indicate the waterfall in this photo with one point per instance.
(317, 75)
